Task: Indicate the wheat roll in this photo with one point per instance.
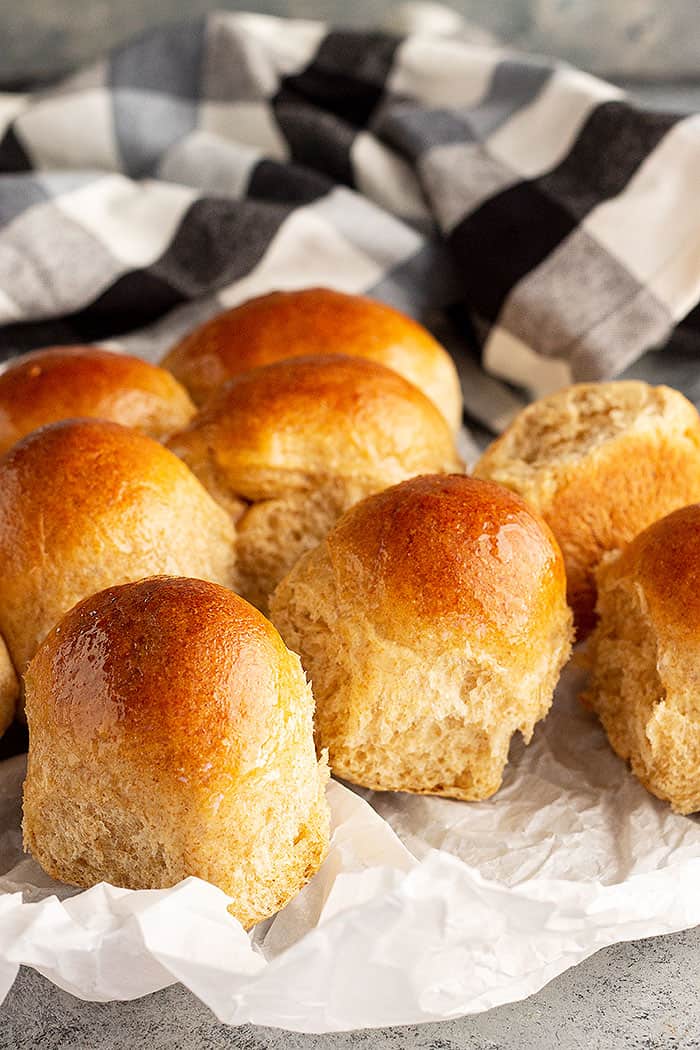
(67, 382)
(314, 321)
(600, 462)
(644, 657)
(85, 504)
(171, 735)
(433, 624)
(9, 688)
(289, 447)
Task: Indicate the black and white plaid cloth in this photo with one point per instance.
(543, 225)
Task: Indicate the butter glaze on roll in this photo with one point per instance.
(287, 448)
(68, 382)
(171, 735)
(314, 321)
(600, 462)
(644, 657)
(433, 624)
(85, 504)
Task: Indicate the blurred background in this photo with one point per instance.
(652, 46)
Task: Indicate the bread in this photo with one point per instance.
(66, 382)
(433, 624)
(85, 504)
(600, 462)
(644, 657)
(171, 735)
(287, 448)
(314, 321)
(9, 688)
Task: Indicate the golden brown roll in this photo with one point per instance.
(85, 504)
(171, 735)
(600, 462)
(289, 447)
(67, 382)
(433, 624)
(9, 688)
(314, 321)
(644, 657)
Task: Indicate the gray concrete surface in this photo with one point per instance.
(636, 996)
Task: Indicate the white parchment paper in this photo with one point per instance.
(424, 909)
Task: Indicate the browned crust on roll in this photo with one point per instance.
(67, 382)
(291, 423)
(88, 503)
(314, 321)
(449, 549)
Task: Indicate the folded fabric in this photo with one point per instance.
(544, 226)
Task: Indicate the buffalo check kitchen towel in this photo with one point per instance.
(541, 223)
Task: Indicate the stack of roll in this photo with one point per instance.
(294, 458)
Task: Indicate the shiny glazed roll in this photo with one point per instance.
(85, 504)
(600, 462)
(645, 657)
(289, 447)
(314, 321)
(171, 735)
(67, 382)
(433, 624)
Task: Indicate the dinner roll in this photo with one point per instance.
(600, 462)
(289, 447)
(85, 504)
(433, 624)
(170, 734)
(65, 382)
(645, 657)
(9, 688)
(314, 321)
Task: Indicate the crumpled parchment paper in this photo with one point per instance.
(424, 908)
